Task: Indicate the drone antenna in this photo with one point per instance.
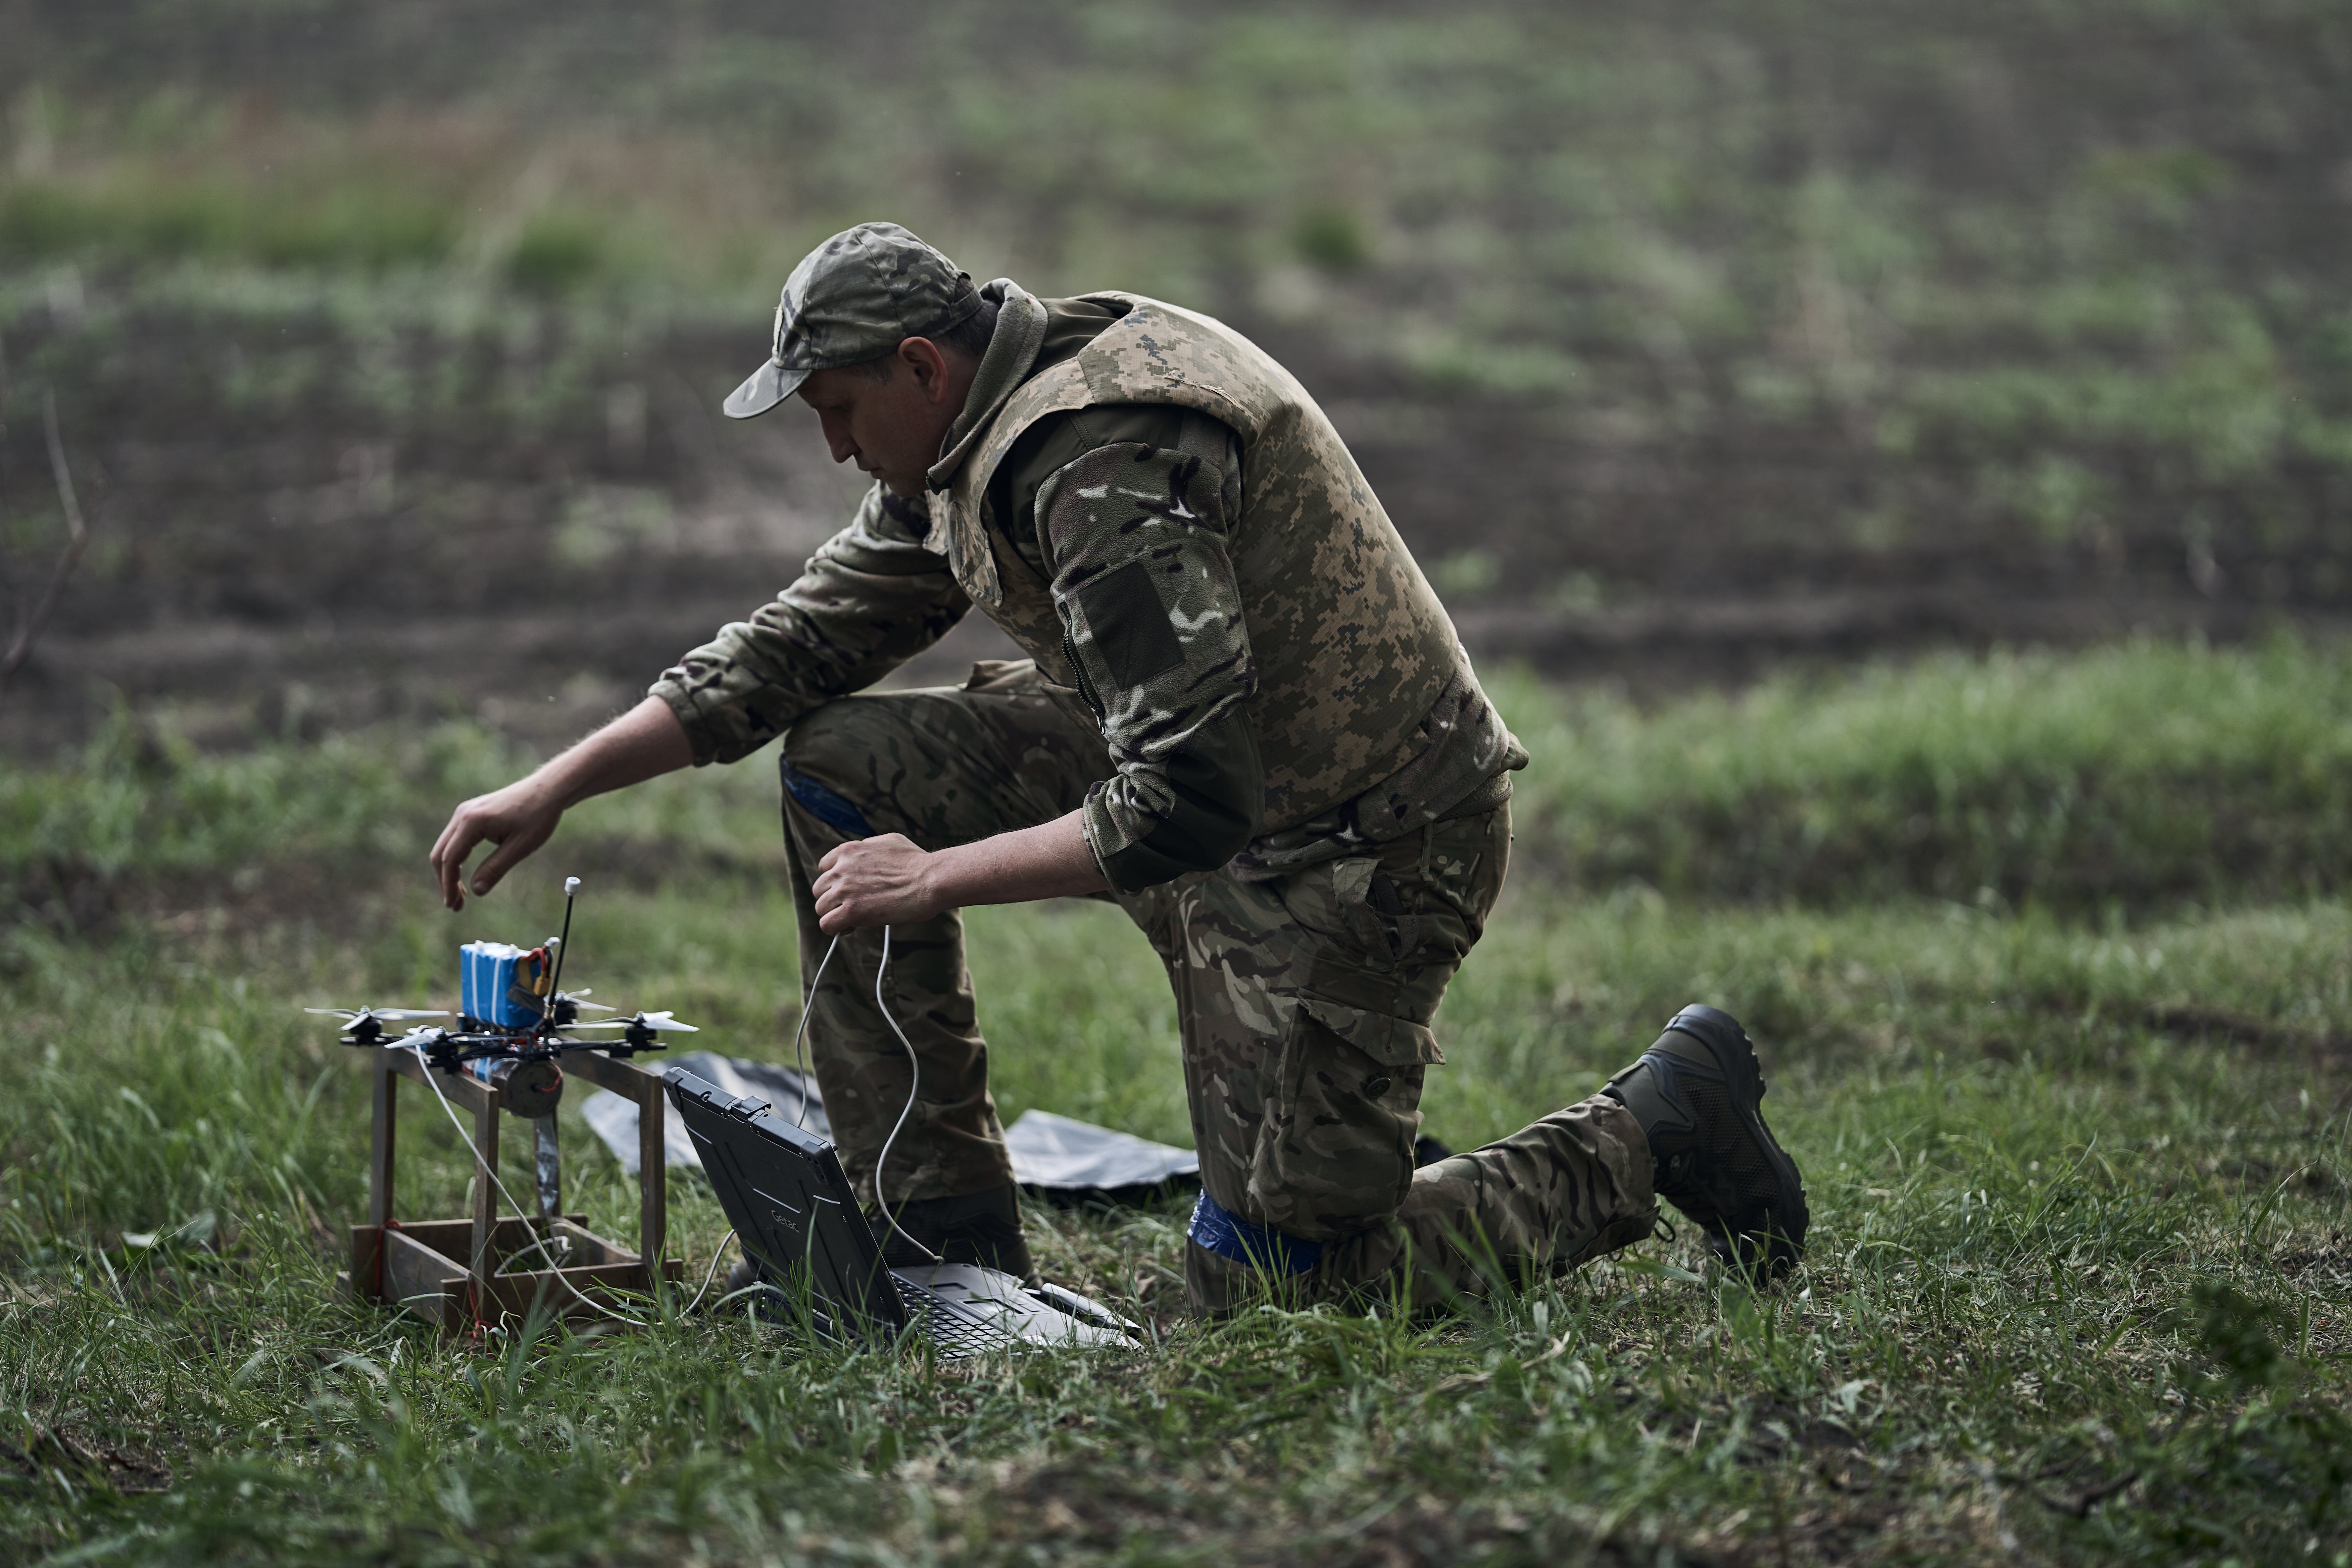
(562, 944)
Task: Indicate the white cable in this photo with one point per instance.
(914, 1087)
(712, 1273)
(538, 1247)
(800, 1035)
(717, 1252)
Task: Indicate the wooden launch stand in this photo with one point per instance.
(416, 1264)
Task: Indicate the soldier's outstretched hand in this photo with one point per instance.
(645, 741)
(518, 819)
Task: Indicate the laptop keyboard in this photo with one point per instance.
(953, 1328)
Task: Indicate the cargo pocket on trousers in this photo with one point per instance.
(1356, 909)
(1334, 1153)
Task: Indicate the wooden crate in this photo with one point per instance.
(454, 1272)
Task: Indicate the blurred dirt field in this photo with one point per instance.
(1680, 341)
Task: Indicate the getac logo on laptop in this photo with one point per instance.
(789, 1221)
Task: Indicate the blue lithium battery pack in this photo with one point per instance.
(501, 984)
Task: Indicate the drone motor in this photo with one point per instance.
(524, 1088)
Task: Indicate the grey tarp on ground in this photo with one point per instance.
(1061, 1153)
(614, 1119)
(1055, 1154)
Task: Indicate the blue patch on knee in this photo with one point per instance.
(824, 805)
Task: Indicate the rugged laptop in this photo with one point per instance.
(794, 1211)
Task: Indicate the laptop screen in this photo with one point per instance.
(789, 1200)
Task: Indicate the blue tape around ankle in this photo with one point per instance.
(1216, 1228)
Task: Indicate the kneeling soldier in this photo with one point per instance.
(1244, 718)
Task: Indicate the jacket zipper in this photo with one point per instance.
(1078, 673)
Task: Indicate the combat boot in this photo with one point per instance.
(1697, 1094)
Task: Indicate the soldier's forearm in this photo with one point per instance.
(1048, 861)
(870, 599)
(642, 744)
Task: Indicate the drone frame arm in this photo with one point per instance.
(635, 1083)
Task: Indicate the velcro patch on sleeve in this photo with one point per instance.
(1129, 625)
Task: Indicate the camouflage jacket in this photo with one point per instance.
(1181, 598)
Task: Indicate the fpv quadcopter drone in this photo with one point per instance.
(511, 1011)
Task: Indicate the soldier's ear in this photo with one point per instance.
(929, 366)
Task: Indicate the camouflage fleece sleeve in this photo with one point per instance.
(1152, 615)
(868, 601)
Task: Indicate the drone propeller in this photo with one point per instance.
(365, 1025)
(574, 998)
(657, 1021)
(387, 1014)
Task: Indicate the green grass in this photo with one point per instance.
(2121, 783)
(2133, 776)
(2050, 1251)
(352, 226)
(2077, 1288)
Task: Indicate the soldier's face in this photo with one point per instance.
(892, 427)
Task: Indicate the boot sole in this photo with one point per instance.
(1786, 1215)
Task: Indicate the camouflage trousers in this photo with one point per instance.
(1304, 1002)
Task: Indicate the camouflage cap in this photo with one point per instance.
(852, 299)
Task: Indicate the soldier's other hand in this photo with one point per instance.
(518, 819)
(879, 881)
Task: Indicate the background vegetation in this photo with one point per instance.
(1679, 339)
